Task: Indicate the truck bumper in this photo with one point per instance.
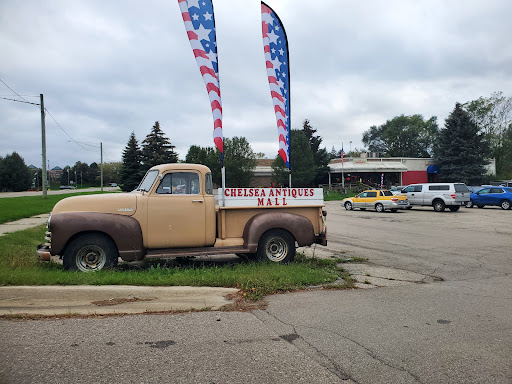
(43, 253)
(321, 239)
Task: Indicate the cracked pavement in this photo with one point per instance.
(439, 311)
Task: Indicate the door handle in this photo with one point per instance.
(197, 201)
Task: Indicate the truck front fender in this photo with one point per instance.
(299, 226)
(125, 231)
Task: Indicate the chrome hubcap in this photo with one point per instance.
(277, 249)
(91, 258)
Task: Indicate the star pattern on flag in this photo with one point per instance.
(204, 25)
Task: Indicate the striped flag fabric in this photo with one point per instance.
(200, 26)
(275, 46)
(342, 153)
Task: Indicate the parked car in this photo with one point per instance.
(380, 200)
(438, 195)
(113, 184)
(67, 187)
(500, 196)
(395, 190)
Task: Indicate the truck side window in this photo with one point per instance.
(417, 188)
(408, 189)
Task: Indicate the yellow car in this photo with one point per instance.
(380, 200)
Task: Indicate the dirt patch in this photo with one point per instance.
(116, 301)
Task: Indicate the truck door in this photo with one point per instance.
(176, 212)
(414, 194)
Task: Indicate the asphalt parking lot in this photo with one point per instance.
(424, 241)
(444, 319)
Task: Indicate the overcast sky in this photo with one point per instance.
(107, 68)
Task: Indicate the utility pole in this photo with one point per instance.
(101, 172)
(43, 136)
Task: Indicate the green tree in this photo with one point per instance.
(157, 149)
(461, 150)
(112, 172)
(80, 173)
(93, 176)
(131, 169)
(403, 136)
(14, 174)
(240, 162)
(302, 162)
(206, 156)
(493, 115)
(320, 155)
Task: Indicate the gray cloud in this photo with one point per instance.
(109, 68)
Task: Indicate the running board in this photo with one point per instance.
(202, 251)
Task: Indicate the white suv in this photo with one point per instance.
(438, 195)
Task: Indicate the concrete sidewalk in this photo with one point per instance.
(22, 224)
(118, 299)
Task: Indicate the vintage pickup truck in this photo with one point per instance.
(174, 212)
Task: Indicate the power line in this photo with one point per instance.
(19, 101)
(17, 94)
(63, 130)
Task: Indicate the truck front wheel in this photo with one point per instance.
(276, 245)
(90, 252)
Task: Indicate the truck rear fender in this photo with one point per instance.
(299, 227)
(125, 231)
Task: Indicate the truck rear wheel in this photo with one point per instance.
(276, 245)
(90, 252)
(438, 205)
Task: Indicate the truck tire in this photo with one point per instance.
(469, 204)
(90, 252)
(276, 245)
(454, 208)
(379, 207)
(505, 204)
(348, 206)
(438, 205)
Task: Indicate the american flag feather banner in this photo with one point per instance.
(275, 45)
(200, 26)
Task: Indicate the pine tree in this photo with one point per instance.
(302, 162)
(320, 155)
(131, 169)
(461, 151)
(157, 149)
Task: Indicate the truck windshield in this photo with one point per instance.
(148, 181)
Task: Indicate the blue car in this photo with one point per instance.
(500, 196)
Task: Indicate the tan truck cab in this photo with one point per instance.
(174, 212)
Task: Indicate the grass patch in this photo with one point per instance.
(19, 266)
(15, 208)
(336, 195)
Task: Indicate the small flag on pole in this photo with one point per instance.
(342, 153)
